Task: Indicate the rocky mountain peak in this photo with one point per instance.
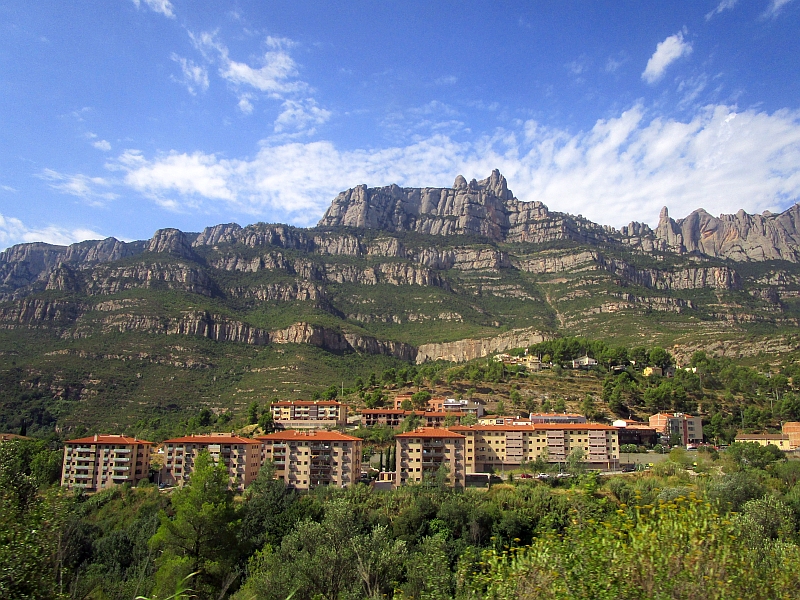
(172, 241)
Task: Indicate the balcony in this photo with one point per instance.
(123, 450)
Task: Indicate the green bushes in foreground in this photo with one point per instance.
(679, 549)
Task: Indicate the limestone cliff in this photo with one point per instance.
(469, 349)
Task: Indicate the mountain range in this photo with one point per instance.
(412, 275)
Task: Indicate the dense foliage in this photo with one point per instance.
(698, 525)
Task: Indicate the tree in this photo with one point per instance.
(410, 423)
(200, 536)
(252, 412)
(469, 419)
(420, 399)
(659, 357)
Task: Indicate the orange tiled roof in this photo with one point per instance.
(108, 439)
(430, 432)
(292, 434)
(210, 439)
(307, 403)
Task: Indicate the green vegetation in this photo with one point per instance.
(701, 524)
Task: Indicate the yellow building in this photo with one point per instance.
(307, 414)
(102, 461)
(781, 440)
(425, 451)
(494, 447)
(308, 459)
(241, 457)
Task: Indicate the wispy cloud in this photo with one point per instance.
(103, 145)
(193, 76)
(13, 231)
(667, 52)
(88, 188)
(721, 7)
(447, 80)
(276, 75)
(163, 7)
(302, 116)
(622, 169)
(775, 7)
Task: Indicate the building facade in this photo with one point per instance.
(781, 440)
(309, 414)
(427, 452)
(308, 459)
(241, 457)
(686, 428)
(102, 461)
(490, 448)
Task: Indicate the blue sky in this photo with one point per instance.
(119, 117)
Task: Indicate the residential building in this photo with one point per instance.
(650, 371)
(309, 414)
(792, 429)
(491, 448)
(635, 432)
(556, 418)
(502, 420)
(671, 426)
(393, 417)
(102, 461)
(584, 362)
(436, 403)
(308, 459)
(781, 440)
(464, 406)
(425, 451)
(390, 417)
(241, 457)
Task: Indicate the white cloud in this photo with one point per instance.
(194, 76)
(721, 7)
(775, 7)
(301, 116)
(448, 80)
(623, 169)
(82, 186)
(102, 145)
(245, 105)
(163, 7)
(667, 52)
(276, 75)
(13, 231)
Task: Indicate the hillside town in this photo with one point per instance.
(455, 439)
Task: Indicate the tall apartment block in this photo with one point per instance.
(425, 451)
(102, 461)
(308, 459)
(495, 447)
(304, 414)
(687, 429)
(241, 457)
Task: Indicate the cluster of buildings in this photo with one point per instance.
(306, 452)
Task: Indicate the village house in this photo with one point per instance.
(685, 428)
(781, 440)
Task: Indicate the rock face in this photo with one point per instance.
(470, 349)
(486, 208)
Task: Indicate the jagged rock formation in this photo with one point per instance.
(385, 261)
(469, 349)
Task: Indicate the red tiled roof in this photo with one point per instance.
(554, 414)
(292, 434)
(210, 439)
(572, 426)
(108, 439)
(307, 403)
(430, 432)
(491, 428)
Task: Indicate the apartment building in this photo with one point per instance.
(687, 429)
(309, 414)
(308, 459)
(241, 457)
(393, 418)
(102, 461)
(423, 452)
(557, 418)
(495, 447)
